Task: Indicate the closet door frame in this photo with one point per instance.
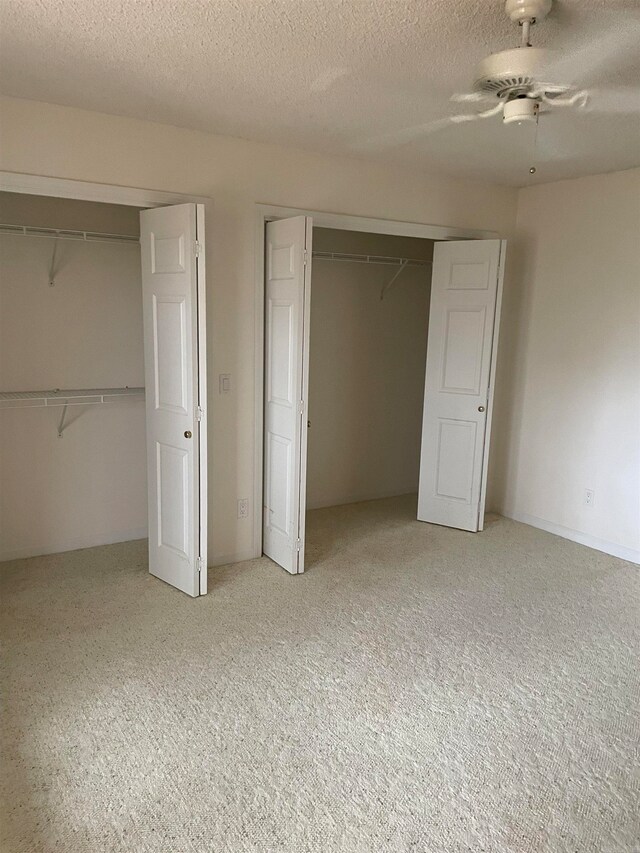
(16, 182)
(265, 213)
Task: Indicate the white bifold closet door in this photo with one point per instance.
(173, 293)
(461, 349)
(287, 313)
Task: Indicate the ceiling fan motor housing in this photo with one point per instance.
(527, 10)
(510, 72)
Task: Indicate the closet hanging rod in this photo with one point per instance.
(371, 259)
(66, 234)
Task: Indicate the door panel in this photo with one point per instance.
(173, 488)
(279, 495)
(455, 455)
(463, 320)
(287, 296)
(171, 340)
(281, 366)
(462, 351)
(175, 387)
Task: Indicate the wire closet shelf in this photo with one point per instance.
(371, 259)
(65, 398)
(383, 260)
(67, 234)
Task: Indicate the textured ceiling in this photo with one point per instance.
(327, 75)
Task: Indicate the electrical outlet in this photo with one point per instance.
(243, 508)
(589, 497)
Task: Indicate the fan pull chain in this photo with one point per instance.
(532, 169)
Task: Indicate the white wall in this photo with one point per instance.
(58, 141)
(367, 366)
(88, 487)
(569, 380)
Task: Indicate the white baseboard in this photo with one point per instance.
(110, 539)
(237, 557)
(630, 554)
(73, 544)
(360, 498)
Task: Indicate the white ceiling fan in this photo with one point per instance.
(514, 76)
(520, 83)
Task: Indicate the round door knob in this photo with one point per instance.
(481, 408)
(187, 434)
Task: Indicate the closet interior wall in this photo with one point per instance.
(367, 368)
(88, 487)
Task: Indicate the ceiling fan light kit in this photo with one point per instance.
(519, 110)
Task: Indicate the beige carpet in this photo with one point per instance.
(418, 689)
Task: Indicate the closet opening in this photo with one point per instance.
(367, 356)
(100, 301)
(379, 366)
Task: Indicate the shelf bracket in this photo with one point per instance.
(61, 424)
(403, 264)
(52, 265)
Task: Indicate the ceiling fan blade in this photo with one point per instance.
(492, 111)
(328, 78)
(470, 97)
(404, 136)
(409, 134)
(619, 100)
(584, 59)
